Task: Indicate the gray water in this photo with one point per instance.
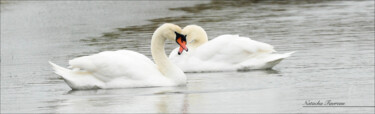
(334, 61)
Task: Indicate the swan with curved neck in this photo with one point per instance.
(125, 68)
(223, 53)
(196, 35)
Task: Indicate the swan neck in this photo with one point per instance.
(198, 39)
(158, 53)
(167, 68)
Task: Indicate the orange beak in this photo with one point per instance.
(182, 44)
(181, 40)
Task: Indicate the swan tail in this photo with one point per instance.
(266, 61)
(281, 56)
(276, 59)
(63, 72)
(77, 79)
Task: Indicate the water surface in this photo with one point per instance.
(334, 41)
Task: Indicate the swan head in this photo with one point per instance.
(195, 32)
(195, 35)
(174, 33)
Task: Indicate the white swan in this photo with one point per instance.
(124, 68)
(224, 53)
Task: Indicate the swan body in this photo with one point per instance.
(224, 53)
(125, 68)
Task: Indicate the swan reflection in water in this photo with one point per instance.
(157, 99)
